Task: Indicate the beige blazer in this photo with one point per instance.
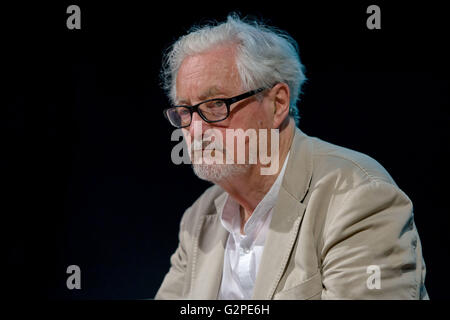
(339, 225)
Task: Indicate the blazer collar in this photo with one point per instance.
(297, 177)
(286, 218)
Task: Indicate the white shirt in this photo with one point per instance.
(243, 252)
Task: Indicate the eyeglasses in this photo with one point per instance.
(212, 110)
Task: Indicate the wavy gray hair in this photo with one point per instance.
(265, 55)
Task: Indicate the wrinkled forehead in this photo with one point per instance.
(205, 75)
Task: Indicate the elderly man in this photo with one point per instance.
(328, 223)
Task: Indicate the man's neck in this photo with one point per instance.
(249, 189)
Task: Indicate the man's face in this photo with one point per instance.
(214, 74)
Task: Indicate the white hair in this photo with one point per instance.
(265, 56)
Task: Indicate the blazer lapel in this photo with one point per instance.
(209, 254)
(286, 219)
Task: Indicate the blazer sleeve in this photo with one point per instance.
(371, 247)
(175, 281)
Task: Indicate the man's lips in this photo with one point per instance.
(205, 144)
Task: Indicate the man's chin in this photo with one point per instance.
(217, 172)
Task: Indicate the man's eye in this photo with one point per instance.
(183, 112)
(218, 104)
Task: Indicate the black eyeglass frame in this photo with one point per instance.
(228, 102)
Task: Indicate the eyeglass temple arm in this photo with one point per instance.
(244, 95)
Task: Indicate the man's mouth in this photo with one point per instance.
(202, 145)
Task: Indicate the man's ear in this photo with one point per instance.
(281, 99)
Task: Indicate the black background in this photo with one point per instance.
(87, 174)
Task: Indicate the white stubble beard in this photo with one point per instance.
(215, 172)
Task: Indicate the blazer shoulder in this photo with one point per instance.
(329, 157)
(204, 205)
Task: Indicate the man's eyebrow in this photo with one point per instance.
(205, 95)
(209, 93)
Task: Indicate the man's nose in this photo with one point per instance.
(197, 124)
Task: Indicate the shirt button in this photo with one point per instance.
(246, 250)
